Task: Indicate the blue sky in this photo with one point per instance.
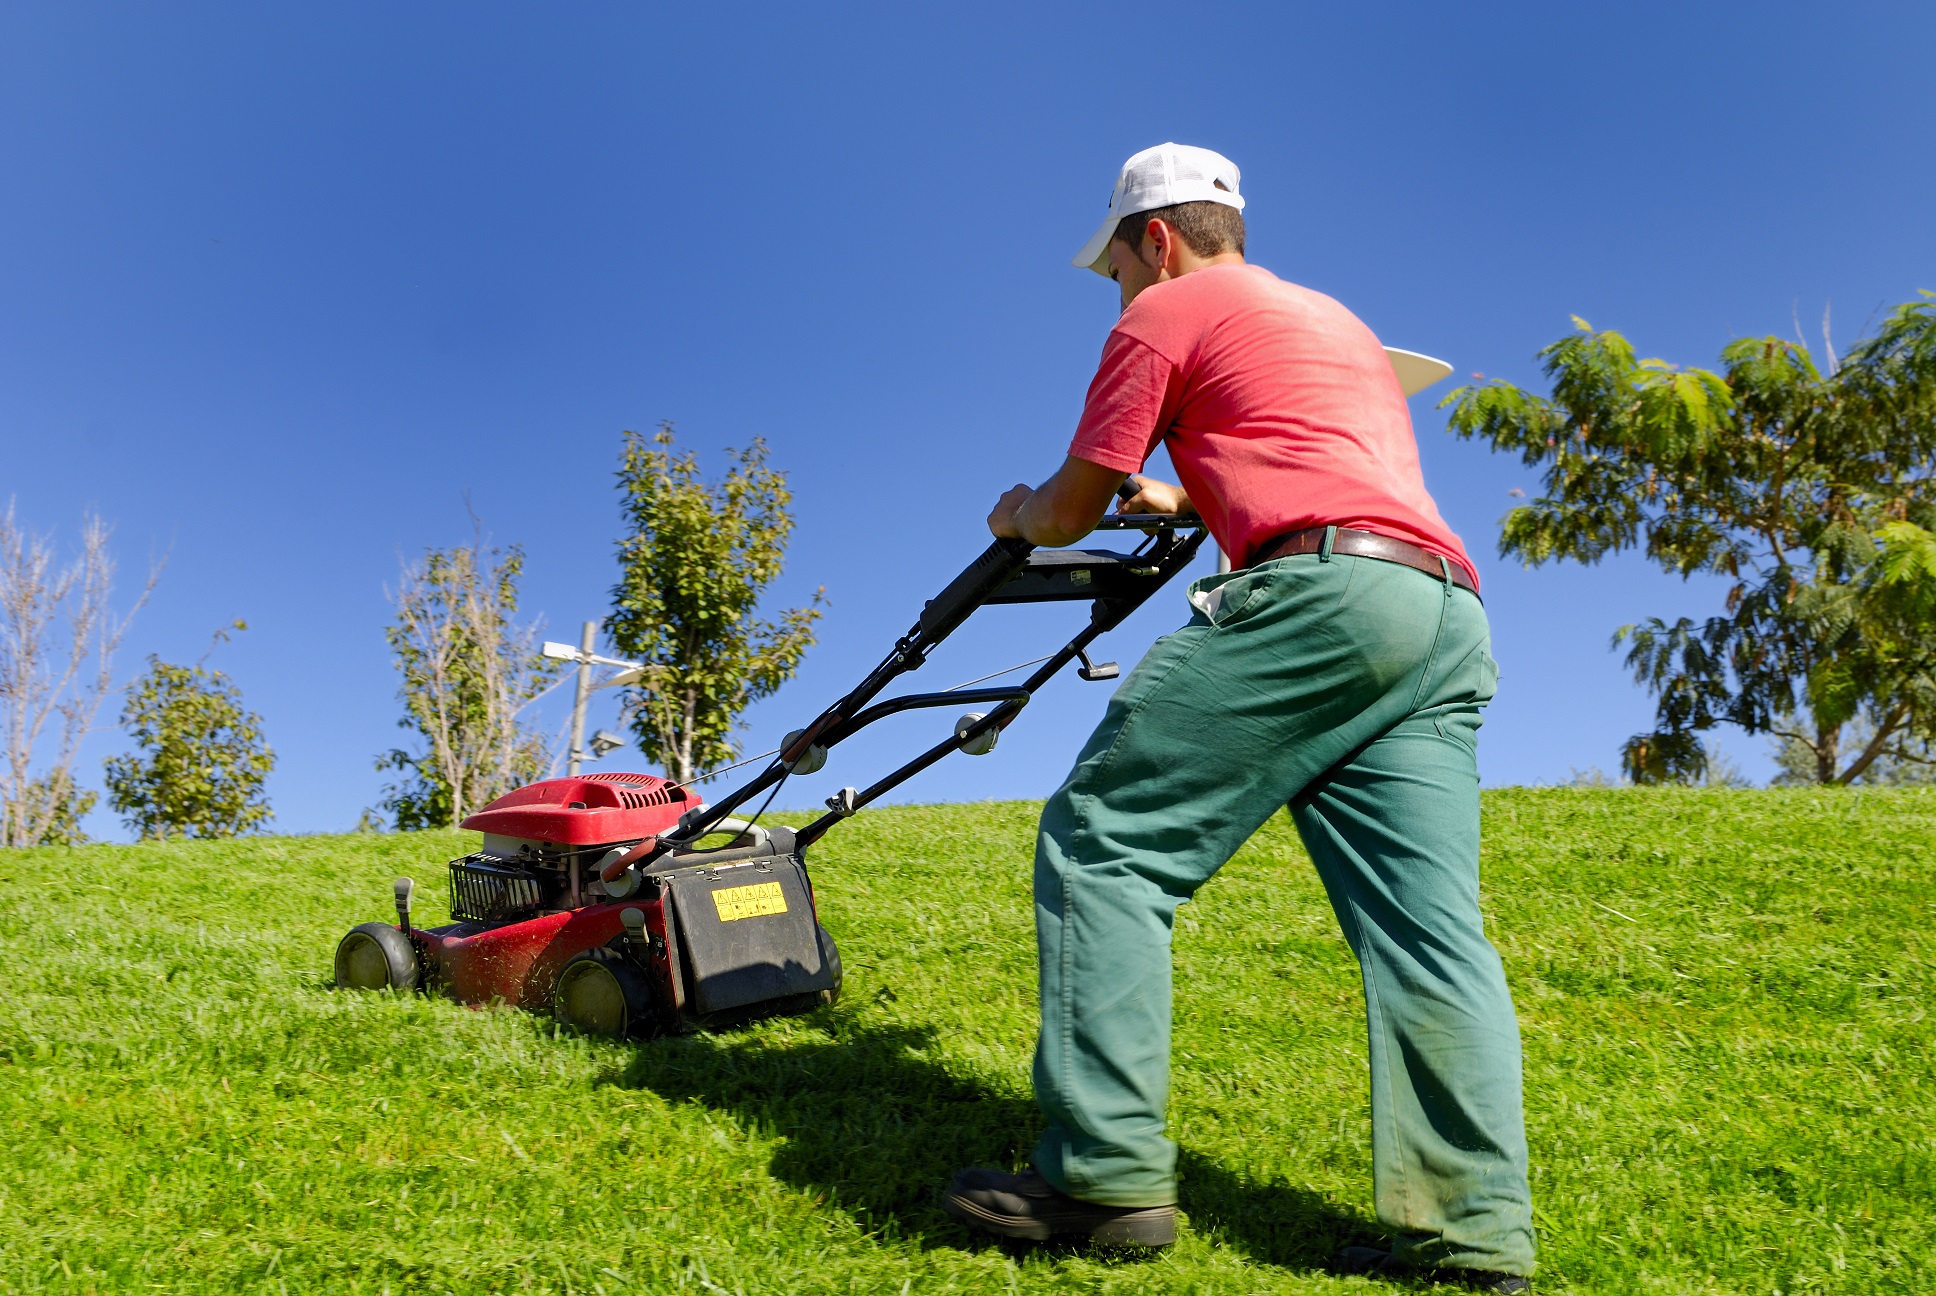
(282, 286)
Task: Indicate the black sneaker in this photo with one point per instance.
(1383, 1264)
(1025, 1206)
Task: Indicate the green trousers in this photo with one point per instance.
(1350, 689)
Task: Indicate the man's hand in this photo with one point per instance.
(1062, 510)
(1153, 496)
(1001, 521)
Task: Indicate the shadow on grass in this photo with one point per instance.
(1276, 1224)
(877, 1127)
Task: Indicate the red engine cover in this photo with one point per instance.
(588, 810)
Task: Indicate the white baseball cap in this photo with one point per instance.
(1162, 177)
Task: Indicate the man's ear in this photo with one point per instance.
(1158, 239)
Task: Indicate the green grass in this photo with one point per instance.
(1724, 997)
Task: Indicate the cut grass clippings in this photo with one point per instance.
(1723, 994)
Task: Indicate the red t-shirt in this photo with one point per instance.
(1279, 407)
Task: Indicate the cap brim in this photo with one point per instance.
(1416, 372)
(1095, 253)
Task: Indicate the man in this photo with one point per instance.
(1340, 668)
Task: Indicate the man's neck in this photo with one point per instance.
(1187, 262)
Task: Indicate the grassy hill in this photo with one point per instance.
(1725, 998)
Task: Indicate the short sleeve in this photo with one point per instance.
(1132, 401)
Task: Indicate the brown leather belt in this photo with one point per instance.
(1363, 544)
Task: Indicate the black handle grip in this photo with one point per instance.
(965, 593)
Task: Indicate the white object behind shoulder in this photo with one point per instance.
(1416, 372)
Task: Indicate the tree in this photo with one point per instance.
(64, 806)
(1812, 488)
(469, 670)
(201, 763)
(58, 636)
(692, 570)
(1907, 763)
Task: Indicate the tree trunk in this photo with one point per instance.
(689, 705)
(1827, 753)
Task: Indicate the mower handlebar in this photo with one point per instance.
(978, 583)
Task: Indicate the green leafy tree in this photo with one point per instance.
(200, 760)
(1812, 488)
(692, 570)
(469, 671)
(62, 806)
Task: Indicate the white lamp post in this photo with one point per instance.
(628, 673)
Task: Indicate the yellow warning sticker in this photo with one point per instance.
(753, 901)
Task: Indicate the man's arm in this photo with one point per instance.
(1063, 509)
(1068, 505)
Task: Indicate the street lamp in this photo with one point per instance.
(603, 743)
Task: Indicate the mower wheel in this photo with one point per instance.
(601, 993)
(830, 954)
(376, 956)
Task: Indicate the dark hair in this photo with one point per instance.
(1208, 227)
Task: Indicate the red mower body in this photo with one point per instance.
(518, 963)
(554, 915)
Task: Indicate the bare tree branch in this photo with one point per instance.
(470, 669)
(58, 637)
(1885, 730)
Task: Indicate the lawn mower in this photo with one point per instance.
(600, 900)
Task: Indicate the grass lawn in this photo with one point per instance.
(1725, 998)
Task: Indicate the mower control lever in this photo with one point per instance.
(634, 920)
(913, 701)
(1094, 671)
(404, 888)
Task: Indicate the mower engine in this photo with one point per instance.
(553, 914)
